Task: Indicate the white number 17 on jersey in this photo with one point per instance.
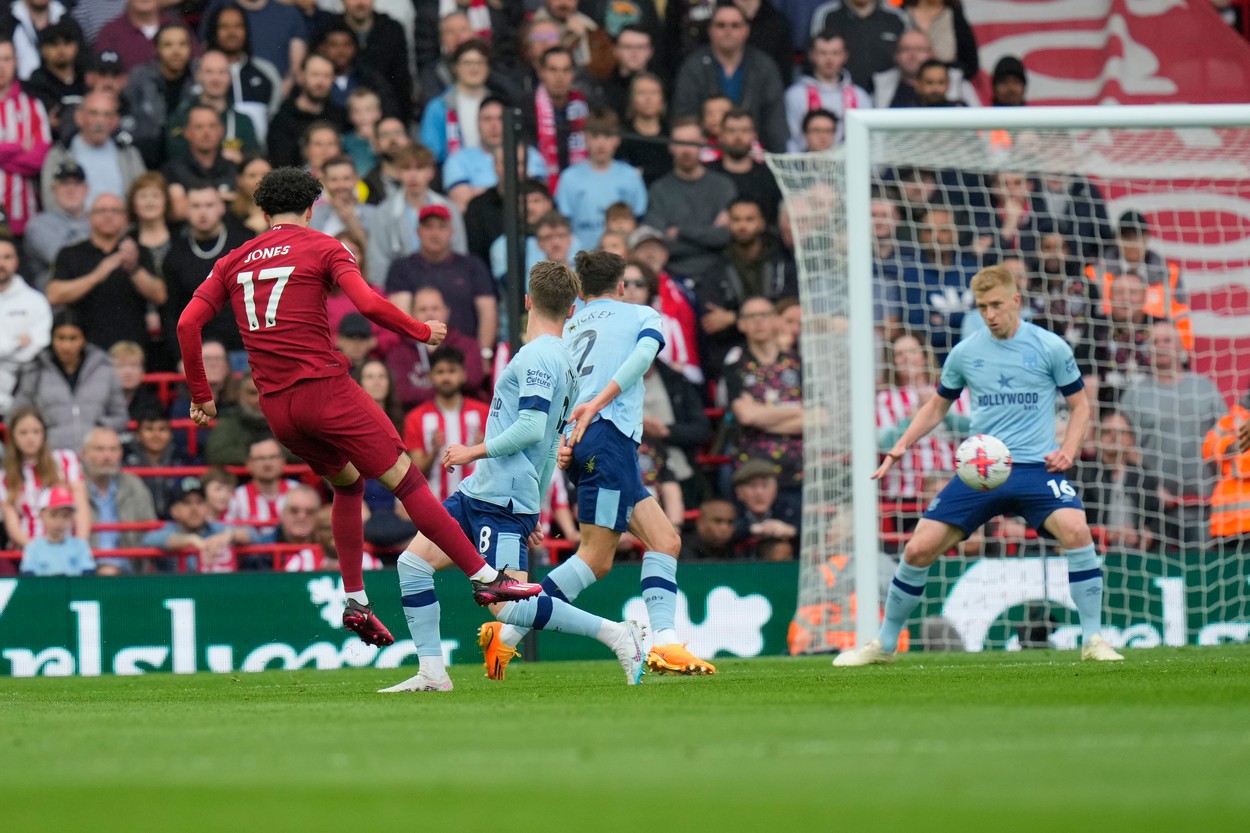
(281, 274)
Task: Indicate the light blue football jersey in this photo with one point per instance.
(540, 378)
(601, 335)
(1013, 383)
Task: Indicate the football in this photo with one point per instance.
(983, 462)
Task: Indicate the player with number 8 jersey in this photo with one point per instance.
(277, 285)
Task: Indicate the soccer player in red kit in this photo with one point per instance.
(277, 285)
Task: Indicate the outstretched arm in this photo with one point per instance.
(190, 338)
(926, 419)
(1078, 424)
(385, 314)
(527, 430)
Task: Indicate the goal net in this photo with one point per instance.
(1128, 232)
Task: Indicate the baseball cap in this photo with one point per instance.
(752, 470)
(1010, 65)
(108, 62)
(644, 234)
(1133, 221)
(63, 30)
(69, 170)
(355, 325)
(439, 211)
(56, 497)
(185, 487)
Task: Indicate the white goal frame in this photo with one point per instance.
(860, 127)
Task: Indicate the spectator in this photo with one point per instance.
(110, 163)
(398, 233)
(30, 19)
(92, 16)
(744, 74)
(765, 391)
(889, 260)
(579, 34)
(62, 222)
(243, 207)
(912, 376)
(789, 323)
(770, 34)
(1009, 226)
(896, 87)
(219, 486)
(56, 552)
(297, 524)
(1132, 254)
(754, 264)
(338, 43)
(483, 219)
(342, 210)
(1128, 346)
(820, 131)
(221, 381)
(151, 87)
(554, 234)
(31, 466)
(1067, 304)
(214, 88)
(319, 144)
(454, 30)
(685, 30)
(937, 295)
(753, 180)
(256, 88)
(27, 323)
(411, 362)
(128, 361)
(767, 527)
(115, 497)
(364, 113)
(1119, 495)
(690, 206)
(153, 446)
(27, 137)
(106, 279)
(356, 341)
(828, 87)
(383, 179)
(148, 210)
(557, 115)
(192, 530)
(464, 282)
(192, 253)
(73, 385)
(237, 429)
(645, 119)
(383, 49)
(588, 188)
(285, 44)
(1073, 206)
(261, 498)
(447, 418)
(205, 160)
(870, 28)
(375, 380)
(132, 33)
(943, 21)
(450, 121)
(633, 51)
(538, 204)
(312, 103)
(933, 85)
(470, 171)
(681, 348)
(59, 81)
(1230, 501)
(713, 532)
(1171, 411)
(1010, 82)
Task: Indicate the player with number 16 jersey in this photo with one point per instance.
(277, 285)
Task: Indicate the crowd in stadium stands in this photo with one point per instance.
(133, 134)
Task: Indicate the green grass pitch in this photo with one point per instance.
(1003, 742)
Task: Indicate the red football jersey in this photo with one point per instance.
(277, 284)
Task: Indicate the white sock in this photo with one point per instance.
(360, 597)
(487, 573)
(433, 666)
(511, 635)
(668, 636)
(610, 633)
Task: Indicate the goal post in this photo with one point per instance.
(1182, 166)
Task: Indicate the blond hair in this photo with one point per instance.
(127, 351)
(992, 276)
(553, 288)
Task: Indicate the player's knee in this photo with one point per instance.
(1075, 537)
(599, 563)
(356, 487)
(667, 542)
(920, 553)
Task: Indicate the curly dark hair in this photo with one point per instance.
(599, 271)
(287, 190)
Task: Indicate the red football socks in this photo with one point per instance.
(349, 533)
(432, 519)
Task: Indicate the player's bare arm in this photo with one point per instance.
(462, 455)
(1078, 424)
(928, 417)
(586, 412)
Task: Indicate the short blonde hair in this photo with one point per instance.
(553, 288)
(992, 276)
(127, 351)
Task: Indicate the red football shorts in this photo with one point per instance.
(330, 422)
